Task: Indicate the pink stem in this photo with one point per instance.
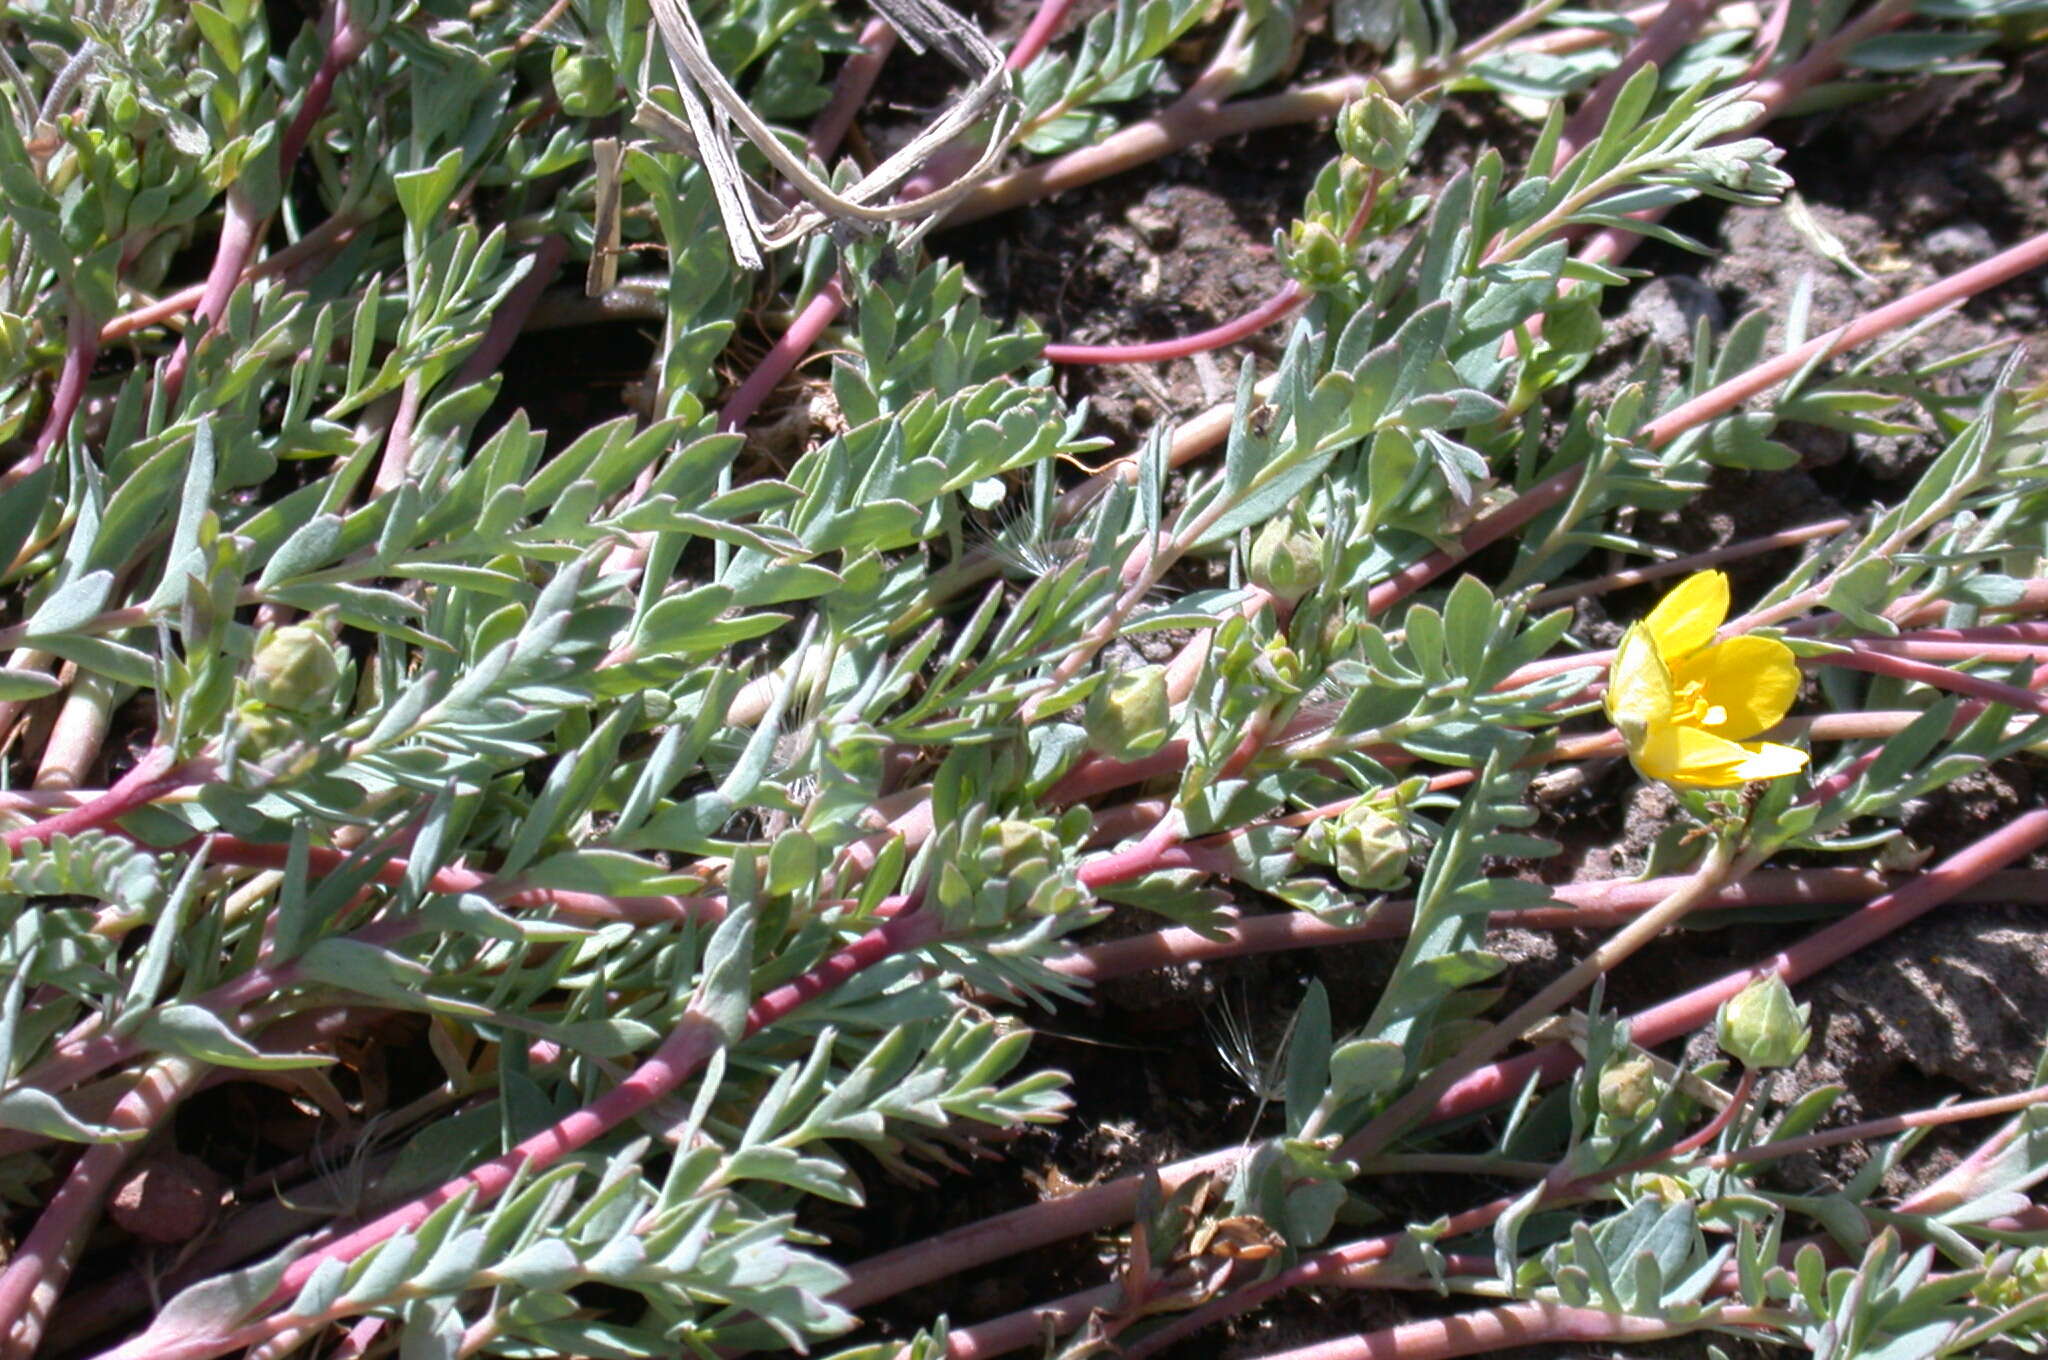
(1610, 245)
(510, 317)
(856, 80)
(344, 45)
(151, 778)
(1019, 1230)
(1691, 562)
(784, 355)
(1673, 29)
(822, 310)
(2008, 264)
(1890, 661)
(334, 231)
(81, 350)
(1039, 33)
(1718, 401)
(1342, 1264)
(323, 860)
(397, 460)
(1285, 302)
(1484, 1330)
(86, 1054)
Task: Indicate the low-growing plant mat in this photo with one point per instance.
(1358, 680)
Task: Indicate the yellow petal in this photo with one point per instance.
(1769, 760)
(1638, 685)
(1747, 684)
(1684, 621)
(1701, 760)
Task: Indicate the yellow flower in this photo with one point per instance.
(1685, 703)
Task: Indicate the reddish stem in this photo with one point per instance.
(1691, 562)
(513, 892)
(1003, 1235)
(1038, 34)
(152, 777)
(784, 355)
(856, 80)
(344, 45)
(512, 313)
(81, 350)
(1339, 1264)
(821, 311)
(1288, 300)
(1893, 660)
(1673, 29)
(335, 231)
(1484, 1330)
(1718, 401)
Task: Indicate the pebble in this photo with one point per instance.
(1959, 244)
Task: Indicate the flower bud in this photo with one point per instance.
(295, 669)
(1628, 1088)
(1665, 1189)
(585, 84)
(1279, 665)
(1286, 561)
(1130, 714)
(124, 110)
(1007, 868)
(1316, 255)
(1761, 1027)
(2025, 1280)
(1377, 131)
(1369, 847)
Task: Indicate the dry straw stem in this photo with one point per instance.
(861, 205)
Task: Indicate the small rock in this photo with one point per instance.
(1158, 228)
(166, 1198)
(1959, 244)
(1669, 308)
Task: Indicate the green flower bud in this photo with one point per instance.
(1286, 560)
(585, 84)
(1009, 868)
(1761, 1027)
(1628, 1088)
(264, 733)
(295, 669)
(1316, 255)
(1664, 1188)
(1130, 713)
(656, 706)
(1377, 131)
(1279, 665)
(124, 110)
(2024, 1281)
(1368, 846)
